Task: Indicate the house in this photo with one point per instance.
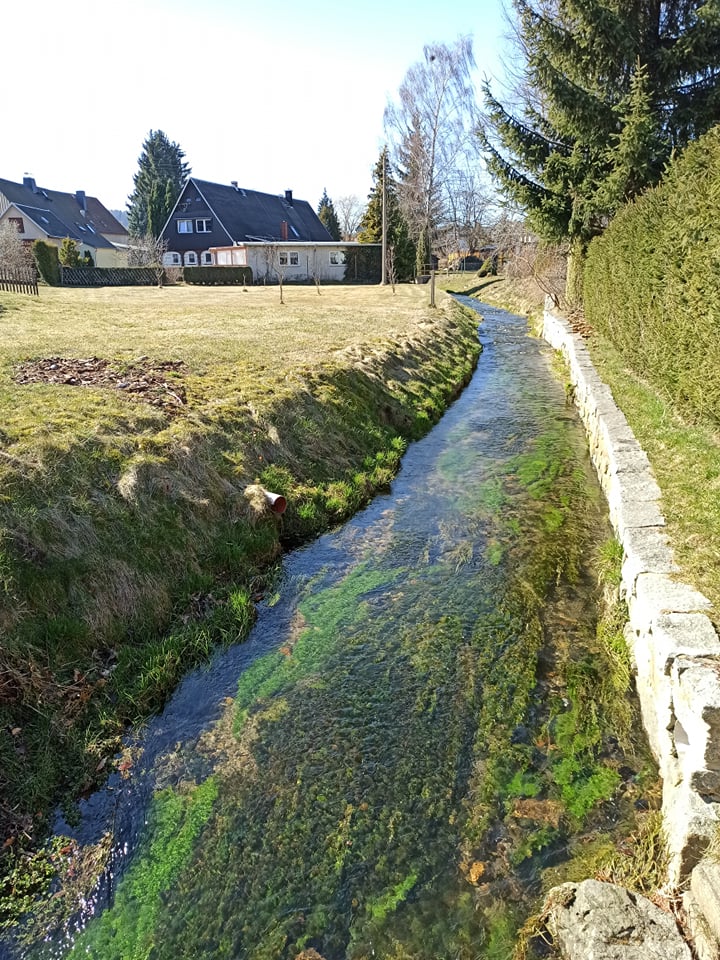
(276, 235)
(41, 214)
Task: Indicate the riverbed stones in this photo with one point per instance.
(602, 921)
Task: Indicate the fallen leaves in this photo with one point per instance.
(155, 382)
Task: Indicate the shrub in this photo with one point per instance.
(69, 256)
(48, 262)
(225, 276)
(652, 281)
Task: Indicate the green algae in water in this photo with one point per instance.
(127, 930)
(407, 756)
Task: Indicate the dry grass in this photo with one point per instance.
(231, 341)
(205, 324)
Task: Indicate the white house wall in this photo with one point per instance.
(313, 262)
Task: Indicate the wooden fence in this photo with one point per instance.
(19, 280)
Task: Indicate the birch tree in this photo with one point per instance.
(431, 131)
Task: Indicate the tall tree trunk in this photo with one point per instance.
(575, 269)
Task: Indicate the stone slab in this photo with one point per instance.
(602, 921)
(705, 888)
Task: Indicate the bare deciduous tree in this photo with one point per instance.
(525, 257)
(148, 251)
(316, 269)
(349, 210)
(432, 132)
(15, 256)
(275, 265)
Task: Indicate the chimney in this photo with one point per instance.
(81, 201)
(283, 230)
(288, 198)
(29, 182)
(233, 183)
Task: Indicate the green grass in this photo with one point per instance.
(129, 548)
(685, 458)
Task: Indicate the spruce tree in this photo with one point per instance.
(328, 217)
(162, 173)
(610, 89)
(398, 233)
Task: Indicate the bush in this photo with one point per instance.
(225, 276)
(48, 262)
(652, 281)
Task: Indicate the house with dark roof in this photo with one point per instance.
(41, 214)
(226, 225)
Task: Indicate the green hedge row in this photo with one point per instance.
(225, 276)
(47, 258)
(652, 281)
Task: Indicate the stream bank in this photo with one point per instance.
(427, 727)
(133, 553)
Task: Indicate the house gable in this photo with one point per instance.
(237, 216)
(58, 215)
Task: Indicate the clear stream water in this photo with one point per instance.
(411, 741)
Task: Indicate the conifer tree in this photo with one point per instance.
(398, 234)
(328, 217)
(69, 254)
(162, 173)
(610, 89)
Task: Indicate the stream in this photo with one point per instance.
(421, 734)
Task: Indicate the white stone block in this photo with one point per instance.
(705, 890)
(646, 551)
(696, 702)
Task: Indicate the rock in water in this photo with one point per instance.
(601, 921)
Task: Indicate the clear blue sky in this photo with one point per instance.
(274, 94)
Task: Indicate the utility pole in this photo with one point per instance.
(383, 267)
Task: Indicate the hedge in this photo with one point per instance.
(225, 276)
(652, 281)
(48, 262)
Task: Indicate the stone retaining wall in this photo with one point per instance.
(673, 644)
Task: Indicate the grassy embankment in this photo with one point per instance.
(684, 453)
(129, 547)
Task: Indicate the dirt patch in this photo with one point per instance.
(154, 381)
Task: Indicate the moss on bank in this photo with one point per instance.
(130, 551)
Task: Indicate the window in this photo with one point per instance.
(191, 259)
(172, 259)
(294, 259)
(184, 226)
(283, 260)
(17, 222)
(206, 258)
(203, 225)
(337, 258)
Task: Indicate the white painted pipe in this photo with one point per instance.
(277, 502)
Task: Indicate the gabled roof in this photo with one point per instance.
(61, 214)
(251, 215)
